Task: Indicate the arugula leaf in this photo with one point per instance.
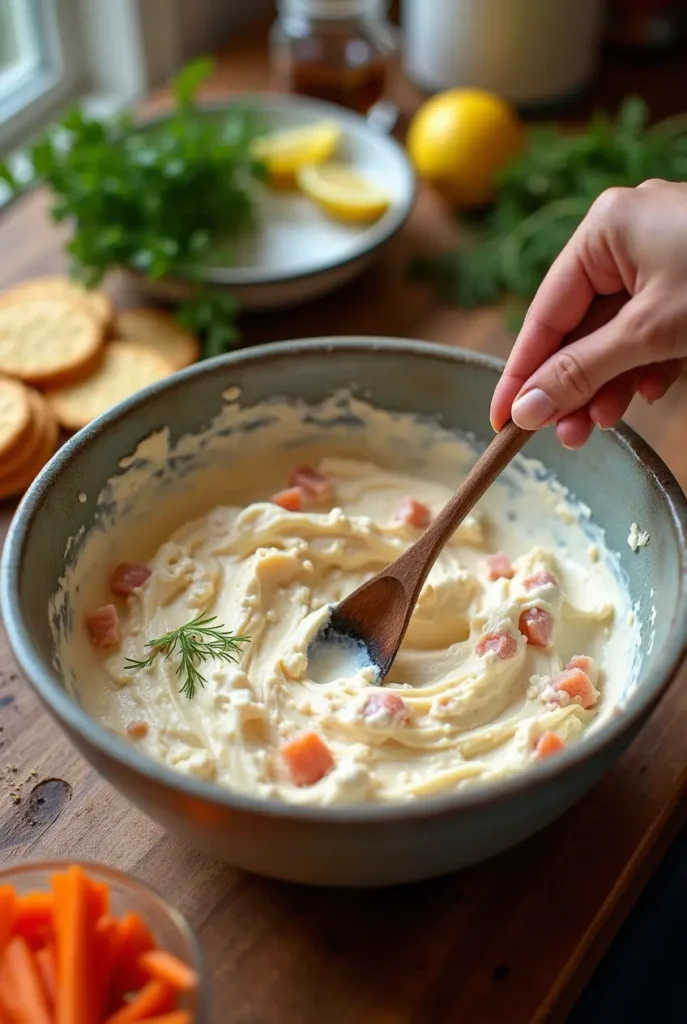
(158, 199)
(544, 194)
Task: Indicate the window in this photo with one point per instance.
(40, 66)
(101, 53)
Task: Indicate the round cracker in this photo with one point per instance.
(124, 369)
(13, 461)
(98, 303)
(15, 416)
(160, 331)
(45, 340)
(17, 482)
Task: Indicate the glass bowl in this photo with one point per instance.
(167, 924)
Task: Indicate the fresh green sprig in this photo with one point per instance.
(157, 199)
(211, 314)
(542, 197)
(192, 644)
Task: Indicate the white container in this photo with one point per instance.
(531, 52)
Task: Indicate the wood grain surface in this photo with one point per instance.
(512, 940)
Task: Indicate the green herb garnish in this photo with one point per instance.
(211, 315)
(155, 199)
(542, 197)
(194, 643)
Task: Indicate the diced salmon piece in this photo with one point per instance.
(499, 567)
(541, 578)
(503, 644)
(586, 664)
(312, 482)
(128, 577)
(577, 685)
(536, 625)
(292, 499)
(308, 759)
(103, 626)
(137, 730)
(385, 709)
(412, 513)
(548, 744)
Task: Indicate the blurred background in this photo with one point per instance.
(534, 53)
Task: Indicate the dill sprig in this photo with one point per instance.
(193, 643)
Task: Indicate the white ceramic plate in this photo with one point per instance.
(298, 252)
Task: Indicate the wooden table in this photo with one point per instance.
(513, 940)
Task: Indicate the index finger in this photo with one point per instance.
(581, 271)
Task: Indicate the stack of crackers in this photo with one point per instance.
(66, 356)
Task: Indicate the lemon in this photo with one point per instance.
(284, 152)
(459, 139)
(343, 193)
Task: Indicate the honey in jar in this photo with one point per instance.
(335, 50)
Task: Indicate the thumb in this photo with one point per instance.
(571, 377)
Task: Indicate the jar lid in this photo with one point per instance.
(333, 8)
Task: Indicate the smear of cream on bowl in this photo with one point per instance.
(456, 709)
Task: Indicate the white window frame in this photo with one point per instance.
(105, 55)
(35, 89)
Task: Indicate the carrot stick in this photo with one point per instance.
(163, 965)
(8, 912)
(106, 950)
(34, 917)
(21, 992)
(47, 969)
(154, 998)
(74, 947)
(134, 939)
(177, 1017)
(99, 899)
(136, 934)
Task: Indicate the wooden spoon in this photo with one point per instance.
(378, 612)
(376, 615)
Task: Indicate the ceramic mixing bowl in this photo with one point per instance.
(616, 474)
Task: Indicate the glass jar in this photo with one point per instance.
(335, 50)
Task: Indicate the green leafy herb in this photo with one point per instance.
(156, 199)
(542, 197)
(211, 315)
(192, 644)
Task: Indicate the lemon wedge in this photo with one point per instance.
(343, 193)
(285, 152)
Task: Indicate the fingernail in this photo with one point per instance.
(532, 409)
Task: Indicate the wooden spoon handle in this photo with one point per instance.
(491, 463)
(501, 450)
(511, 438)
(493, 460)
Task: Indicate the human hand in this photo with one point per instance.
(632, 241)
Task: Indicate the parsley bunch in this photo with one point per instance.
(542, 197)
(155, 199)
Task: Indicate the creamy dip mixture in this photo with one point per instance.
(522, 637)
